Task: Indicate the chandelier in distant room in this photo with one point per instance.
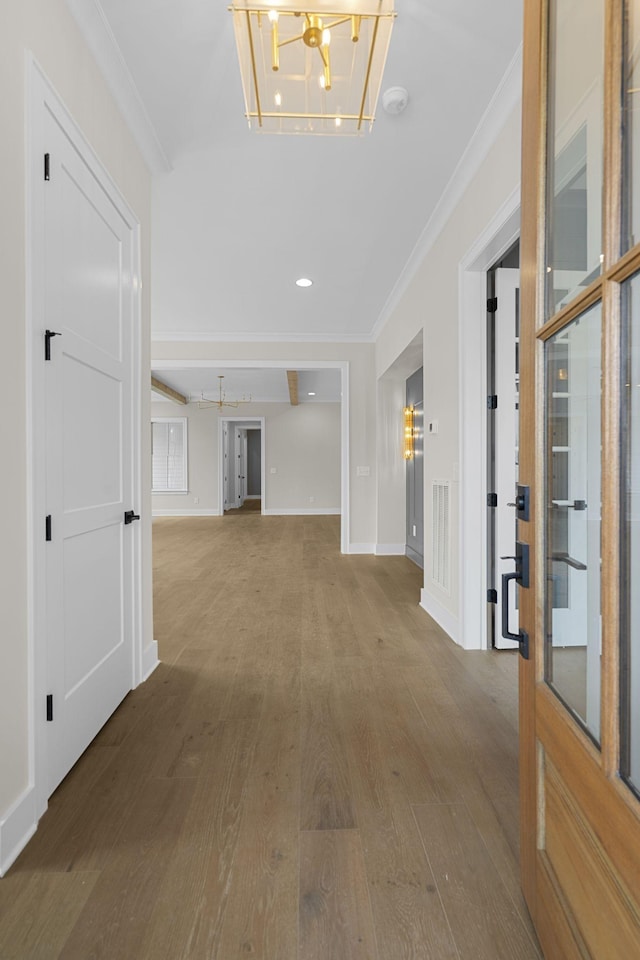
(221, 401)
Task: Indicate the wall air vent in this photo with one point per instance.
(440, 534)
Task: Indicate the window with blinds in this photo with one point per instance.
(169, 455)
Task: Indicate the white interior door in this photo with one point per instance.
(506, 441)
(88, 277)
(241, 462)
(225, 468)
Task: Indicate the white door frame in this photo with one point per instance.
(229, 420)
(507, 281)
(41, 97)
(500, 234)
(293, 364)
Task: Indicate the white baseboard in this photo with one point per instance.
(253, 496)
(443, 617)
(17, 828)
(186, 513)
(362, 548)
(149, 660)
(390, 550)
(302, 511)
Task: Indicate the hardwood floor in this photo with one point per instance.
(314, 772)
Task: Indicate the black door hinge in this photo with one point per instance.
(49, 707)
(492, 499)
(47, 170)
(492, 304)
(47, 527)
(48, 336)
(492, 402)
(492, 596)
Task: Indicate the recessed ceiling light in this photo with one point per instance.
(303, 282)
(311, 393)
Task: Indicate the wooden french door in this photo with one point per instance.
(580, 457)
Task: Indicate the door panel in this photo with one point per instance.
(93, 602)
(91, 245)
(580, 819)
(254, 463)
(93, 442)
(89, 460)
(415, 471)
(573, 534)
(241, 443)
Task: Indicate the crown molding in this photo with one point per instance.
(95, 29)
(211, 336)
(506, 97)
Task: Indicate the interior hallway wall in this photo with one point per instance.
(302, 446)
(390, 468)
(430, 302)
(47, 29)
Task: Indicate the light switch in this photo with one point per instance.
(363, 471)
(433, 426)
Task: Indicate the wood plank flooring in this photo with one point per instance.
(314, 772)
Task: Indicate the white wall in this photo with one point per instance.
(362, 406)
(46, 28)
(301, 443)
(430, 302)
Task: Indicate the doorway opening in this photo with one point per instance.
(503, 380)
(241, 461)
(490, 248)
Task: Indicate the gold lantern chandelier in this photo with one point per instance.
(312, 69)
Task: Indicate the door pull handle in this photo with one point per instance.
(521, 637)
(130, 516)
(521, 577)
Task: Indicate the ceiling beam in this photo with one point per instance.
(292, 379)
(166, 391)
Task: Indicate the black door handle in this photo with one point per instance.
(130, 516)
(570, 561)
(521, 577)
(521, 637)
(506, 579)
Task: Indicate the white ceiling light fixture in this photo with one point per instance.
(304, 282)
(326, 59)
(395, 100)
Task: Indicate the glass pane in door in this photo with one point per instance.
(575, 149)
(631, 654)
(632, 126)
(572, 504)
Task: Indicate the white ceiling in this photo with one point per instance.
(237, 215)
(262, 385)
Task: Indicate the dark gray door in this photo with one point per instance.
(254, 479)
(415, 472)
